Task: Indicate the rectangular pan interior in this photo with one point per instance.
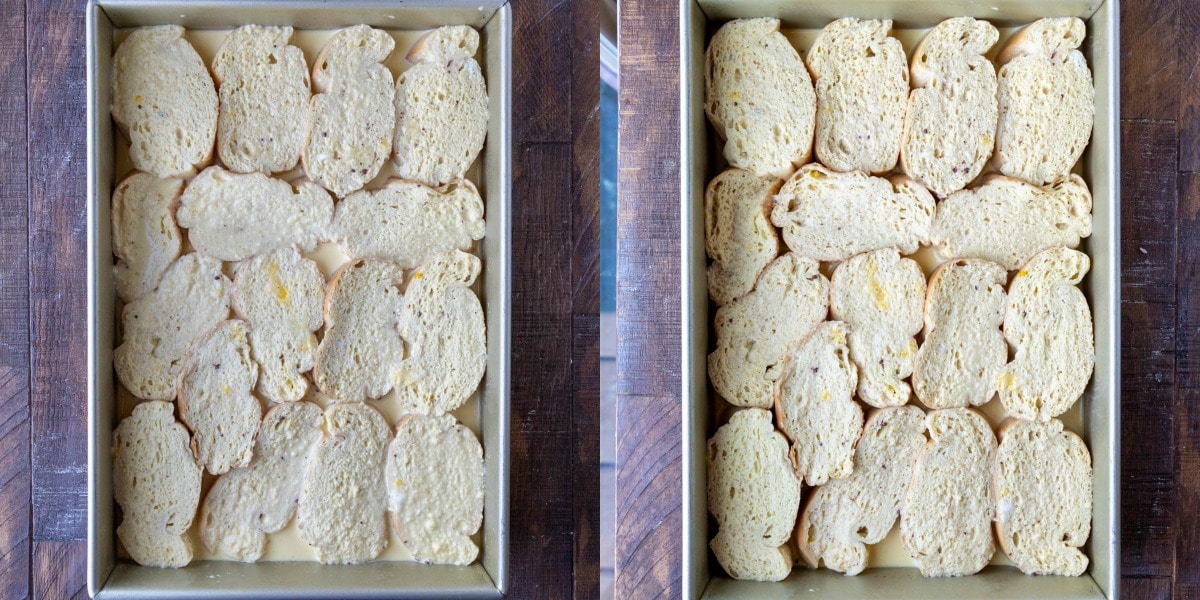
(488, 578)
(1101, 401)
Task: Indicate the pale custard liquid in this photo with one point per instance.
(286, 544)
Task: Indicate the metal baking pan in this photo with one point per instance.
(1099, 409)
(111, 577)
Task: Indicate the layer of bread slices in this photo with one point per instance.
(145, 238)
(738, 234)
(754, 494)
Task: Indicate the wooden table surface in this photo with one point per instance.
(43, 334)
(1160, 324)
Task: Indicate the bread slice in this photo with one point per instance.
(880, 295)
(1046, 101)
(755, 331)
(759, 97)
(246, 504)
(145, 238)
(1043, 481)
(361, 351)
(814, 404)
(407, 222)
(754, 494)
(843, 516)
(832, 216)
(264, 89)
(160, 327)
(157, 483)
(344, 500)
(952, 110)
(234, 216)
(280, 295)
(445, 338)
(738, 234)
(164, 102)
(1048, 325)
(352, 117)
(434, 475)
(861, 78)
(963, 349)
(441, 107)
(945, 521)
(1007, 221)
(215, 400)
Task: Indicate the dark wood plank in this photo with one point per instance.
(1150, 39)
(14, 312)
(1148, 247)
(542, 70)
(1187, 385)
(61, 569)
(1189, 89)
(586, 458)
(1146, 589)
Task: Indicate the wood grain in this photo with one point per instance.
(1150, 59)
(1189, 90)
(1187, 382)
(61, 569)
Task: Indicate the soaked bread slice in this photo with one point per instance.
(145, 238)
(844, 516)
(247, 503)
(861, 79)
(759, 97)
(160, 327)
(441, 107)
(1048, 325)
(946, 518)
(344, 499)
(264, 89)
(880, 295)
(738, 234)
(435, 481)
(754, 494)
(164, 102)
(1043, 482)
(1046, 101)
(234, 216)
(832, 216)
(963, 348)
(157, 483)
(952, 110)
(755, 331)
(815, 407)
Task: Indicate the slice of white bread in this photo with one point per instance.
(843, 516)
(434, 475)
(815, 407)
(1048, 325)
(157, 483)
(880, 296)
(1007, 221)
(861, 78)
(755, 331)
(246, 504)
(343, 501)
(441, 107)
(963, 349)
(160, 327)
(1046, 101)
(233, 216)
(406, 221)
(759, 97)
(832, 216)
(952, 111)
(445, 337)
(164, 102)
(264, 89)
(1043, 481)
(946, 518)
(738, 234)
(280, 294)
(215, 400)
(361, 350)
(352, 117)
(145, 238)
(754, 494)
